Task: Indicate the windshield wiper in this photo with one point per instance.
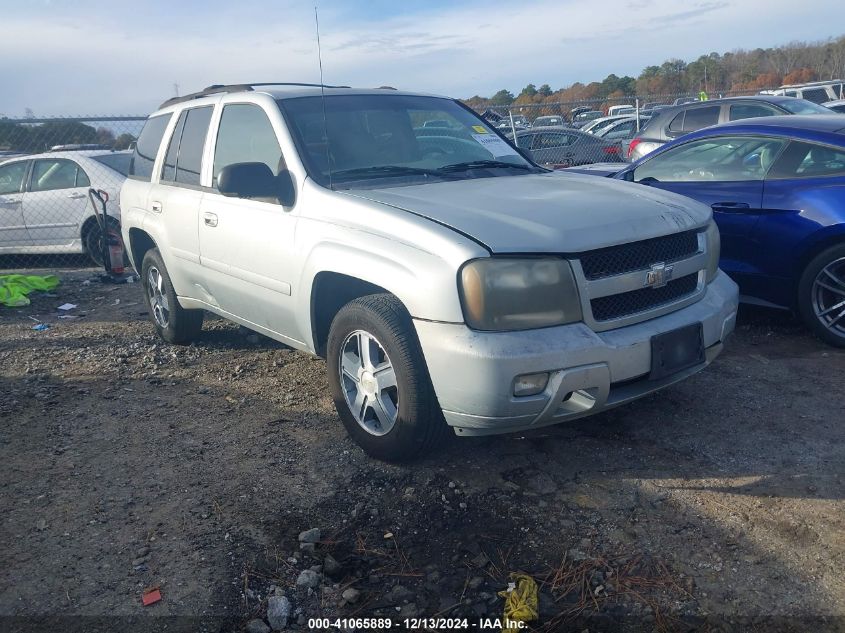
(482, 164)
(386, 170)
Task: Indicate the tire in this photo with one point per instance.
(92, 242)
(398, 415)
(173, 323)
(821, 295)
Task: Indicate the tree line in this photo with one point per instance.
(737, 71)
(39, 137)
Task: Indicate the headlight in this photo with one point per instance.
(714, 247)
(518, 294)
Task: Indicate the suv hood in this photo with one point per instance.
(546, 213)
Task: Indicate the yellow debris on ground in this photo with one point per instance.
(521, 602)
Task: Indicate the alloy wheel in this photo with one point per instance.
(828, 296)
(158, 297)
(368, 380)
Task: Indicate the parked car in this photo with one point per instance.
(578, 110)
(44, 201)
(545, 121)
(447, 282)
(777, 189)
(654, 109)
(683, 100)
(582, 118)
(8, 155)
(558, 147)
(622, 132)
(620, 109)
(815, 91)
(596, 125)
(622, 129)
(836, 106)
(675, 122)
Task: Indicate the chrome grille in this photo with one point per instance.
(625, 258)
(634, 301)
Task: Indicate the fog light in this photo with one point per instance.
(530, 384)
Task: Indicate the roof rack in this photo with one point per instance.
(226, 88)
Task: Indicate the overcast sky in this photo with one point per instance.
(113, 57)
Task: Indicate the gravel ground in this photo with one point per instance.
(129, 464)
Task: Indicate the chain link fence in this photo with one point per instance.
(47, 166)
(573, 133)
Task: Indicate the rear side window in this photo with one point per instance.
(697, 118)
(808, 160)
(141, 165)
(816, 95)
(524, 140)
(677, 124)
(246, 136)
(750, 110)
(168, 170)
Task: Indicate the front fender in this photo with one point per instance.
(424, 283)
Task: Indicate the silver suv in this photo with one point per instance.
(447, 280)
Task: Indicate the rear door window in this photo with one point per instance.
(146, 149)
(697, 118)
(52, 174)
(191, 146)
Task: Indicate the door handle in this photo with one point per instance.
(156, 207)
(210, 218)
(730, 207)
(76, 196)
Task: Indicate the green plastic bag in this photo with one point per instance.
(15, 288)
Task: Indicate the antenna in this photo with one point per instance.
(323, 99)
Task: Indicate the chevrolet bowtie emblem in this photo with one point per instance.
(658, 276)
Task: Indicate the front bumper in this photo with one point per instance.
(473, 372)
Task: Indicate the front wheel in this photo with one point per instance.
(821, 295)
(173, 323)
(380, 382)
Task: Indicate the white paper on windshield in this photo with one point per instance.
(494, 145)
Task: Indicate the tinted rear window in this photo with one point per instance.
(802, 106)
(141, 165)
(697, 118)
(118, 162)
(816, 95)
(192, 144)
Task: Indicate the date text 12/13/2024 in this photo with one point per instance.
(412, 624)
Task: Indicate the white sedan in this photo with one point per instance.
(44, 206)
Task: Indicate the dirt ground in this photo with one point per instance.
(129, 464)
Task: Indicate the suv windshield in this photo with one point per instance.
(393, 140)
(802, 106)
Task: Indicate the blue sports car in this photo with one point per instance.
(777, 189)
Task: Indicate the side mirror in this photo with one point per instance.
(628, 176)
(256, 180)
